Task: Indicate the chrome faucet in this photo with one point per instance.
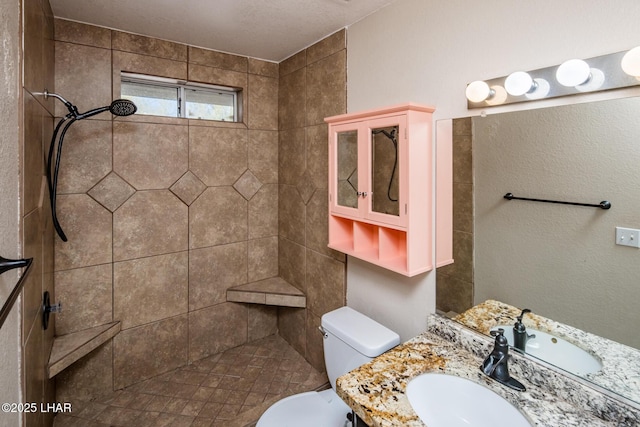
(496, 364)
(520, 336)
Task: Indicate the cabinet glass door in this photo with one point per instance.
(347, 153)
(385, 180)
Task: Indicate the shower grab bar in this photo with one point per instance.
(602, 205)
(6, 265)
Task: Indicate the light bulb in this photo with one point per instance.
(542, 89)
(499, 95)
(519, 83)
(478, 91)
(631, 62)
(573, 72)
(594, 82)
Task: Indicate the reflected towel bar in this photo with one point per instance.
(6, 265)
(602, 205)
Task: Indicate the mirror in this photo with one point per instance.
(384, 179)
(384, 170)
(560, 261)
(348, 168)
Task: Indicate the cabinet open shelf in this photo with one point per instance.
(380, 245)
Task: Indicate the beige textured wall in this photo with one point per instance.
(10, 351)
(162, 214)
(312, 87)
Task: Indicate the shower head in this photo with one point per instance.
(119, 107)
(122, 107)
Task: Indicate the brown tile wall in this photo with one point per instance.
(454, 282)
(312, 87)
(37, 229)
(163, 215)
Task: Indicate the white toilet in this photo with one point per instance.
(350, 340)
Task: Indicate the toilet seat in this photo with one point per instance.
(311, 409)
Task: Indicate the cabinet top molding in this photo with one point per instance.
(379, 111)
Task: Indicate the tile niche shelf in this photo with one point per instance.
(273, 291)
(381, 185)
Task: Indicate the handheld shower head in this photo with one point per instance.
(122, 107)
(119, 107)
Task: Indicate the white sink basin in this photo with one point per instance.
(448, 401)
(556, 351)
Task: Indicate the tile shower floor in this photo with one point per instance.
(229, 389)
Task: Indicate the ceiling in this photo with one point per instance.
(267, 29)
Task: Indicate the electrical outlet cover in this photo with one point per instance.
(628, 237)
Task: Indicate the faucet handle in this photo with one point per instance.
(500, 343)
(496, 332)
(525, 311)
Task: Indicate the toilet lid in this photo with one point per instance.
(311, 409)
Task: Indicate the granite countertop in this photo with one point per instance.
(376, 390)
(620, 371)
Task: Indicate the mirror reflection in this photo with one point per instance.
(348, 168)
(384, 171)
(562, 262)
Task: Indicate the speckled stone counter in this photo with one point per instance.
(376, 390)
(620, 371)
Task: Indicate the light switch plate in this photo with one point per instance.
(628, 237)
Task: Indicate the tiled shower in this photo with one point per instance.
(163, 215)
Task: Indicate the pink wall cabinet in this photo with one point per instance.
(380, 187)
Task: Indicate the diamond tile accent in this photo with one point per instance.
(247, 185)
(188, 188)
(111, 192)
(305, 187)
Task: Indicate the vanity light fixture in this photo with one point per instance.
(572, 77)
(631, 62)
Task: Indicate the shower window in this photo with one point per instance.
(172, 98)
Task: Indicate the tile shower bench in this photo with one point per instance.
(68, 349)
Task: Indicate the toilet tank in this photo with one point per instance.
(352, 339)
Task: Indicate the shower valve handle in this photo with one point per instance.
(47, 309)
(55, 308)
